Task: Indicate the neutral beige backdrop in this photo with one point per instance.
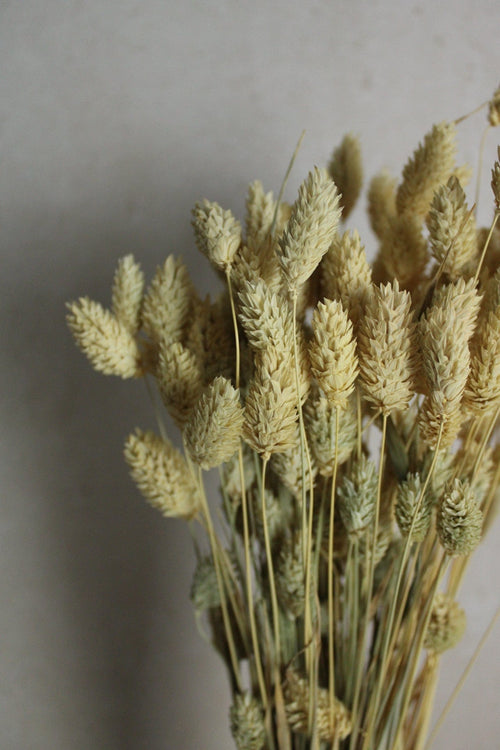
(115, 117)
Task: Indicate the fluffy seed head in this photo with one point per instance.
(180, 381)
(357, 497)
(408, 500)
(217, 233)
(213, 430)
(296, 692)
(162, 475)
(168, 301)
(346, 170)
(128, 287)
(446, 625)
(310, 229)
(381, 202)
(459, 520)
(107, 343)
(247, 723)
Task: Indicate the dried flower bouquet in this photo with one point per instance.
(330, 587)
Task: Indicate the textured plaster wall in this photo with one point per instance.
(115, 117)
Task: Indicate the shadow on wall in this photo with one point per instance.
(110, 570)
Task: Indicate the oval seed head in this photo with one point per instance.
(429, 167)
(381, 202)
(459, 520)
(332, 352)
(452, 229)
(168, 301)
(446, 625)
(409, 494)
(162, 475)
(297, 707)
(213, 431)
(205, 593)
(180, 381)
(247, 722)
(346, 170)
(346, 274)
(128, 287)
(290, 577)
(357, 497)
(107, 343)
(310, 229)
(387, 348)
(217, 233)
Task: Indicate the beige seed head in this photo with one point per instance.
(107, 343)
(213, 430)
(446, 625)
(482, 392)
(346, 170)
(403, 252)
(387, 348)
(247, 723)
(332, 352)
(381, 202)
(180, 381)
(162, 475)
(452, 229)
(290, 576)
(459, 520)
(357, 497)
(128, 286)
(217, 233)
(296, 692)
(310, 229)
(408, 495)
(429, 167)
(259, 215)
(168, 302)
(346, 274)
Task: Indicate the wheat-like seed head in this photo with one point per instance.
(247, 722)
(429, 167)
(446, 625)
(260, 208)
(109, 345)
(127, 291)
(452, 229)
(346, 170)
(387, 348)
(290, 576)
(205, 592)
(287, 466)
(408, 496)
(162, 475)
(180, 381)
(217, 233)
(381, 202)
(459, 519)
(213, 430)
(296, 692)
(168, 301)
(346, 274)
(357, 497)
(310, 229)
(403, 252)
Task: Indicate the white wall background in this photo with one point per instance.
(115, 117)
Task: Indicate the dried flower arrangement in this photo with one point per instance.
(330, 589)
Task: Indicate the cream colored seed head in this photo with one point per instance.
(168, 302)
(180, 381)
(259, 216)
(162, 475)
(296, 692)
(107, 343)
(446, 625)
(459, 520)
(290, 577)
(346, 170)
(482, 391)
(128, 287)
(217, 233)
(247, 723)
(409, 494)
(381, 202)
(403, 252)
(213, 430)
(452, 229)
(287, 466)
(387, 348)
(310, 229)
(266, 317)
(346, 274)
(429, 167)
(357, 497)
(332, 352)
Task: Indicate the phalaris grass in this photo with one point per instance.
(352, 412)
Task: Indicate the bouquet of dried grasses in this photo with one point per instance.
(352, 412)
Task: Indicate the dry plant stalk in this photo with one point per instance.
(336, 578)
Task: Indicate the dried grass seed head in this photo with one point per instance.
(290, 583)
(452, 229)
(446, 625)
(409, 498)
(168, 302)
(297, 707)
(127, 291)
(459, 520)
(217, 233)
(213, 430)
(346, 274)
(332, 352)
(205, 592)
(387, 348)
(346, 170)
(482, 392)
(260, 209)
(247, 722)
(403, 252)
(320, 419)
(381, 202)
(287, 466)
(357, 497)
(108, 344)
(429, 167)
(494, 108)
(162, 475)
(180, 381)
(310, 229)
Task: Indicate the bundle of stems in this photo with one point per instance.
(352, 412)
